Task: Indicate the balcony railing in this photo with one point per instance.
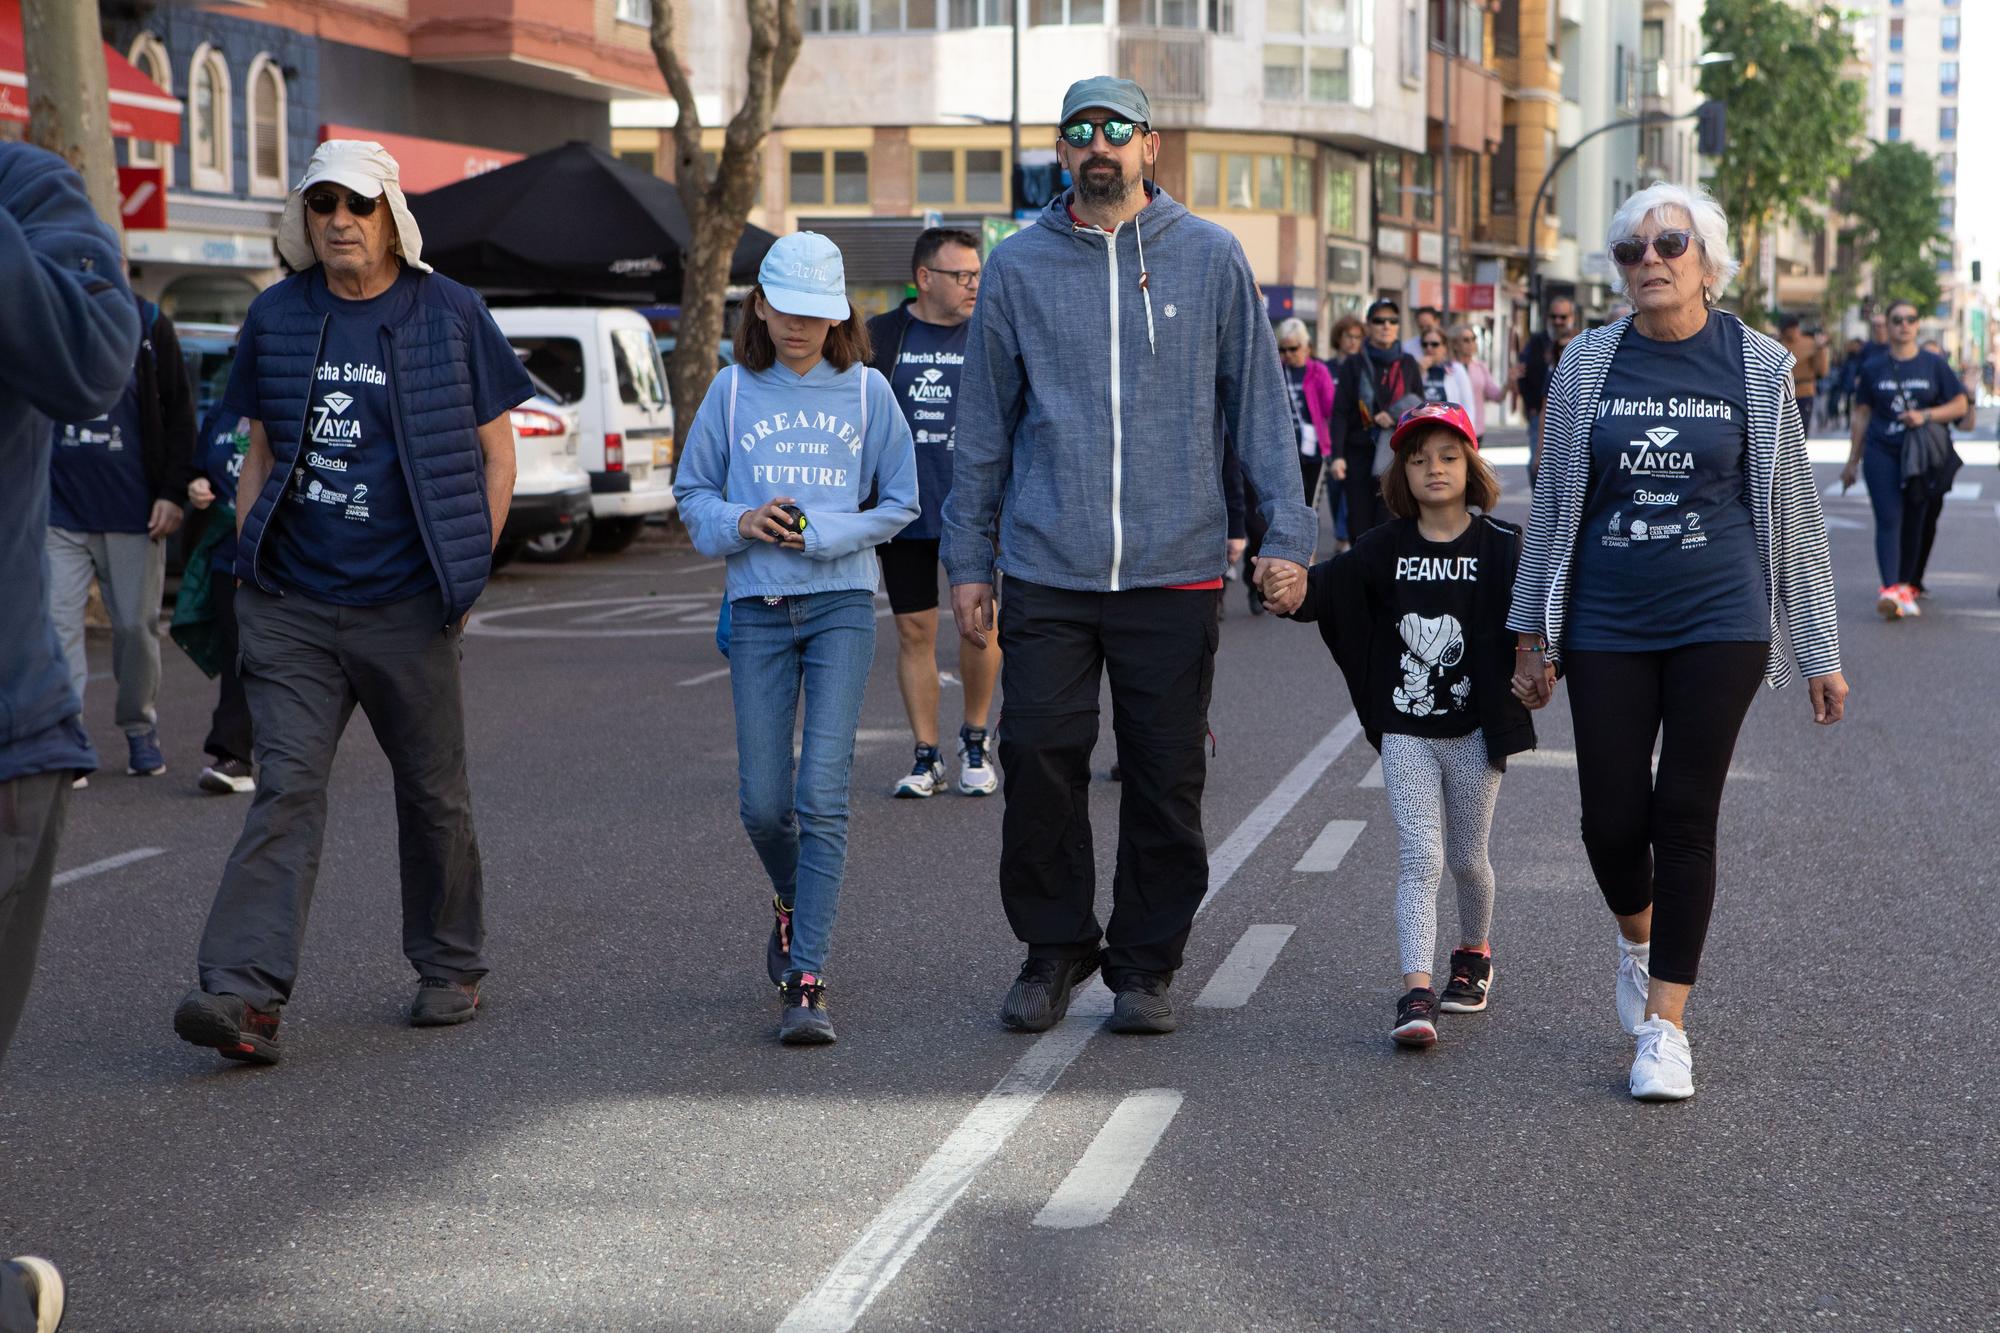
(1171, 66)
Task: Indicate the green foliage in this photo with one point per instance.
(1893, 197)
(1793, 113)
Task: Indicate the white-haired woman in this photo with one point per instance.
(1676, 530)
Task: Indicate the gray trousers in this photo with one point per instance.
(132, 569)
(305, 665)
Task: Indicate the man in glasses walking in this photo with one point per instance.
(1115, 341)
(920, 349)
(379, 470)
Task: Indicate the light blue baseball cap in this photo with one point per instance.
(802, 274)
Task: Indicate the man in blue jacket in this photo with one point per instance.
(66, 348)
(379, 470)
(1115, 343)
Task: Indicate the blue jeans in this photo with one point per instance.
(1899, 523)
(819, 645)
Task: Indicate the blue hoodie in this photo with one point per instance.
(1100, 376)
(68, 339)
(826, 439)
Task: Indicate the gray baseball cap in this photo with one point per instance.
(1121, 96)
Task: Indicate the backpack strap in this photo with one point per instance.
(731, 442)
(865, 372)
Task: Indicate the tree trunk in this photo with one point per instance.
(69, 103)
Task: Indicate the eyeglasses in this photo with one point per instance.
(1629, 253)
(965, 277)
(1290, 347)
(1903, 321)
(323, 202)
(1385, 319)
(1433, 342)
(1117, 133)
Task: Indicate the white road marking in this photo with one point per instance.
(1373, 777)
(899, 1230)
(696, 569)
(1842, 521)
(705, 677)
(1331, 846)
(1237, 979)
(1111, 1163)
(108, 863)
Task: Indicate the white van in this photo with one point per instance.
(602, 361)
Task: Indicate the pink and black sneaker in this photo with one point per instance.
(804, 1020)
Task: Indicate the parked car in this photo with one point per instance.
(550, 512)
(725, 355)
(602, 361)
(208, 350)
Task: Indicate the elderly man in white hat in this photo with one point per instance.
(380, 465)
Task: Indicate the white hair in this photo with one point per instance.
(1294, 328)
(1705, 216)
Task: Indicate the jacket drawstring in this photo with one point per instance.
(1145, 286)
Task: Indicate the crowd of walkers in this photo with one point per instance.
(1028, 419)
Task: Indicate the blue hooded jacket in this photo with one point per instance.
(826, 440)
(1101, 374)
(67, 346)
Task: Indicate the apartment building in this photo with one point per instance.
(1913, 97)
(452, 87)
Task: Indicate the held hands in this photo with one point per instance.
(972, 608)
(1282, 583)
(1829, 698)
(164, 521)
(770, 523)
(1534, 678)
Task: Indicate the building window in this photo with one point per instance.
(1302, 185)
(961, 176)
(1049, 13)
(1389, 184)
(1342, 205)
(1186, 14)
(210, 165)
(1947, 211)
(1413, 44)
(1948, 78)
(1947, 168)
(1895, 78)
(1895, 34)
(1284, 73)
(1316, 68)
(1326, 79)
(1895, 124)
(1423, 189)
(1506, 163)
(269, 128)
(1948, 30)
(828, 176)
(149, 57)
(1948, 122)
(1265, 182)
(1205, 169)
(634, 11)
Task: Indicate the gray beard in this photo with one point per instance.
(1110, 194)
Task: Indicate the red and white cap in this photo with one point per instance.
(1449, 415)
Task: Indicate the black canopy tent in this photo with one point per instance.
(571, 223)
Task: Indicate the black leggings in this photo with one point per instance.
(1651, 838)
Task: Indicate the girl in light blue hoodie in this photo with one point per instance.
(777, 475)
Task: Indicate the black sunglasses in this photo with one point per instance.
(1432, 342)
(1117, 133)
(1667, 245)
(1384, 319)
(1901, 320)
(323, 202)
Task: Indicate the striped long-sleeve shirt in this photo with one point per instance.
(1784, 502)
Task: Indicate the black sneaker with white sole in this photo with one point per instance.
(1470, 985)
(228, 777)
(1142, 1007)
(1416, 1018)
(1040, 995)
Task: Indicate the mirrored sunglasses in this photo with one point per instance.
(323, 202)
(1667, 245)
(1080, 133)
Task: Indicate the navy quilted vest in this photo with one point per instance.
(436, 430)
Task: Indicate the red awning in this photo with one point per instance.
(425, 164)
(140, 108)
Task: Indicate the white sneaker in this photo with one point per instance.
(1663, 1070)
(975, 766)
(1633, 978)
(925, 779)
(46, 1283)
(1906, 601)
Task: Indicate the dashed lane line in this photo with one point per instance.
(108, 863)
(1243, 970)
(705, 677)
(1373, 777)
(900, 1229)
(1103, 1176)
(1331, 847)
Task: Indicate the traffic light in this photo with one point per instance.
(1711, 129)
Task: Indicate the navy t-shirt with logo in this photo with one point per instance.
(925, 378)
(1889, 387)
(97, 472)
(1431, 594)
(1667, 553)
(224, 438)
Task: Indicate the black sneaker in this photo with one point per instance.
(1471, 982)
(228, 777)
(778, 949)
(1040, 995)
(1416, 1018)
(230, 1025)
(804, 1020)
(441, 1003)
(1142, 1007)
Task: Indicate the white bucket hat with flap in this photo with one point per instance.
(365, 167)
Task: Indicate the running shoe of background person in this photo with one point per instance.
(1142, 1007)
(144, 759)
(1634, 978)
(441, 1003)
(1906, 598)
(1416, 1018)
(45, 1291)
(803, 1019)
(1888, 604)
(229, 1025)
(226, 777)
(975, 765)
(926, 779)
(1471, 982)
(1663, 1068)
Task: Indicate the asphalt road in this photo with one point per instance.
(618, 1143)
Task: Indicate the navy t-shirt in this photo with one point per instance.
(925, 378)
(1667, 552)
(1889, 387)
(1431, 594)
(224, 437)
(97, 472)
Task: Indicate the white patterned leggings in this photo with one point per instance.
(1442, 794)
